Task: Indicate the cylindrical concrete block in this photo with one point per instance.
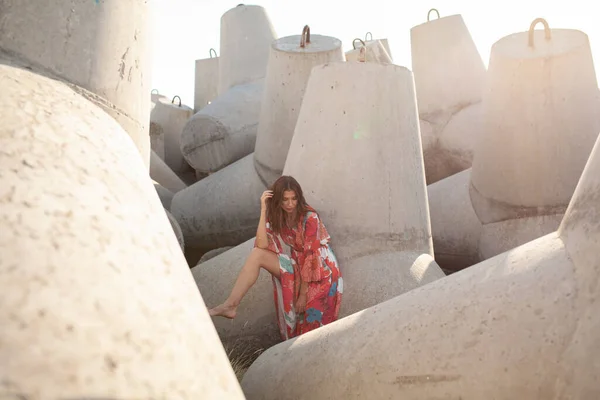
(176, 230)
(172, 116)
(540, 119)
(225, 130)
(100, 47)
(290, 63)
(206, 81)
(384, 42)
(154, 97)
(449, 72)
(379, 222)
(97, 300)
(246, 36)
(161, 173)
(372, 51)
(222, 209)
(157, 140)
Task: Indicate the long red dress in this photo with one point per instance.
(304, 254)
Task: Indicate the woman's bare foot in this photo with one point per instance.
(223, 310)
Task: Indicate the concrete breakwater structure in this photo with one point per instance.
(223, 209)
(540, 118)
(523, 324)
(96, 296)
(383, 242)
(206, 80)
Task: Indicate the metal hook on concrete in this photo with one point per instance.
(212, 51)
(367, 34)
(305, 36)
(176, 97)
(547, 32)
(360, 40)
(241, 4)
(429, 13)
(154, 90)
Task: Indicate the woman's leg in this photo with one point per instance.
(247, 277)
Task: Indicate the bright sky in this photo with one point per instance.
(185, 30)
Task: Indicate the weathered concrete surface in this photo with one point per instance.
(288, 71)
(379, 222)
(246, 35)
(176, 230)
(213, 253)
(225, 130)
(154, 97)
(524, 325)
(96, 296)
(540, 119)
(171, 116)
(222, 209)
(102, 48)
(206, 81)
(161, 173)
(449, 77)
(157, 140)
(455, 228)
(374, 51)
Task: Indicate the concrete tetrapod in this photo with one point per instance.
(449, 77)
(96, 295)
(246, 35)
(172, 116)
(540, 118)
(206, 81)
(290, 63)
(378, 221)
(101, 49)
(372, 51)
(225, 130)
(223, 209)
(523, 325)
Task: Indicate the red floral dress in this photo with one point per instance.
(305, 255)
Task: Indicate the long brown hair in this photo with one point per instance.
(275, 213)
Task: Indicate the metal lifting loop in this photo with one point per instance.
(305, 36)
(366, 35)
(212, 51)
(547, 32)
(360, 40)
(154, 90)
(176, 97)
(429, 13)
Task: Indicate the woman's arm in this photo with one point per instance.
(262, 241)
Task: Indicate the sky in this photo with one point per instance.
(186, 30)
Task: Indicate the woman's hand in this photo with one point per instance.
(267, 194)
(300, 306)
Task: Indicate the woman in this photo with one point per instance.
(293, 245)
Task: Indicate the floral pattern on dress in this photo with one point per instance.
(305, 254)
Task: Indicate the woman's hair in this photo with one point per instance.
(275, 214)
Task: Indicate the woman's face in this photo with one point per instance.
(289, 201)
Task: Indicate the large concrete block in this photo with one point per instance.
(246, 36)
(449, 77)
(225, 130)
(101, 48)
(379, 222)
(523, 324)
(540, 120)
(383, 41)
(172, 116)
(97, 300)
(290, 63)
(206, 80)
